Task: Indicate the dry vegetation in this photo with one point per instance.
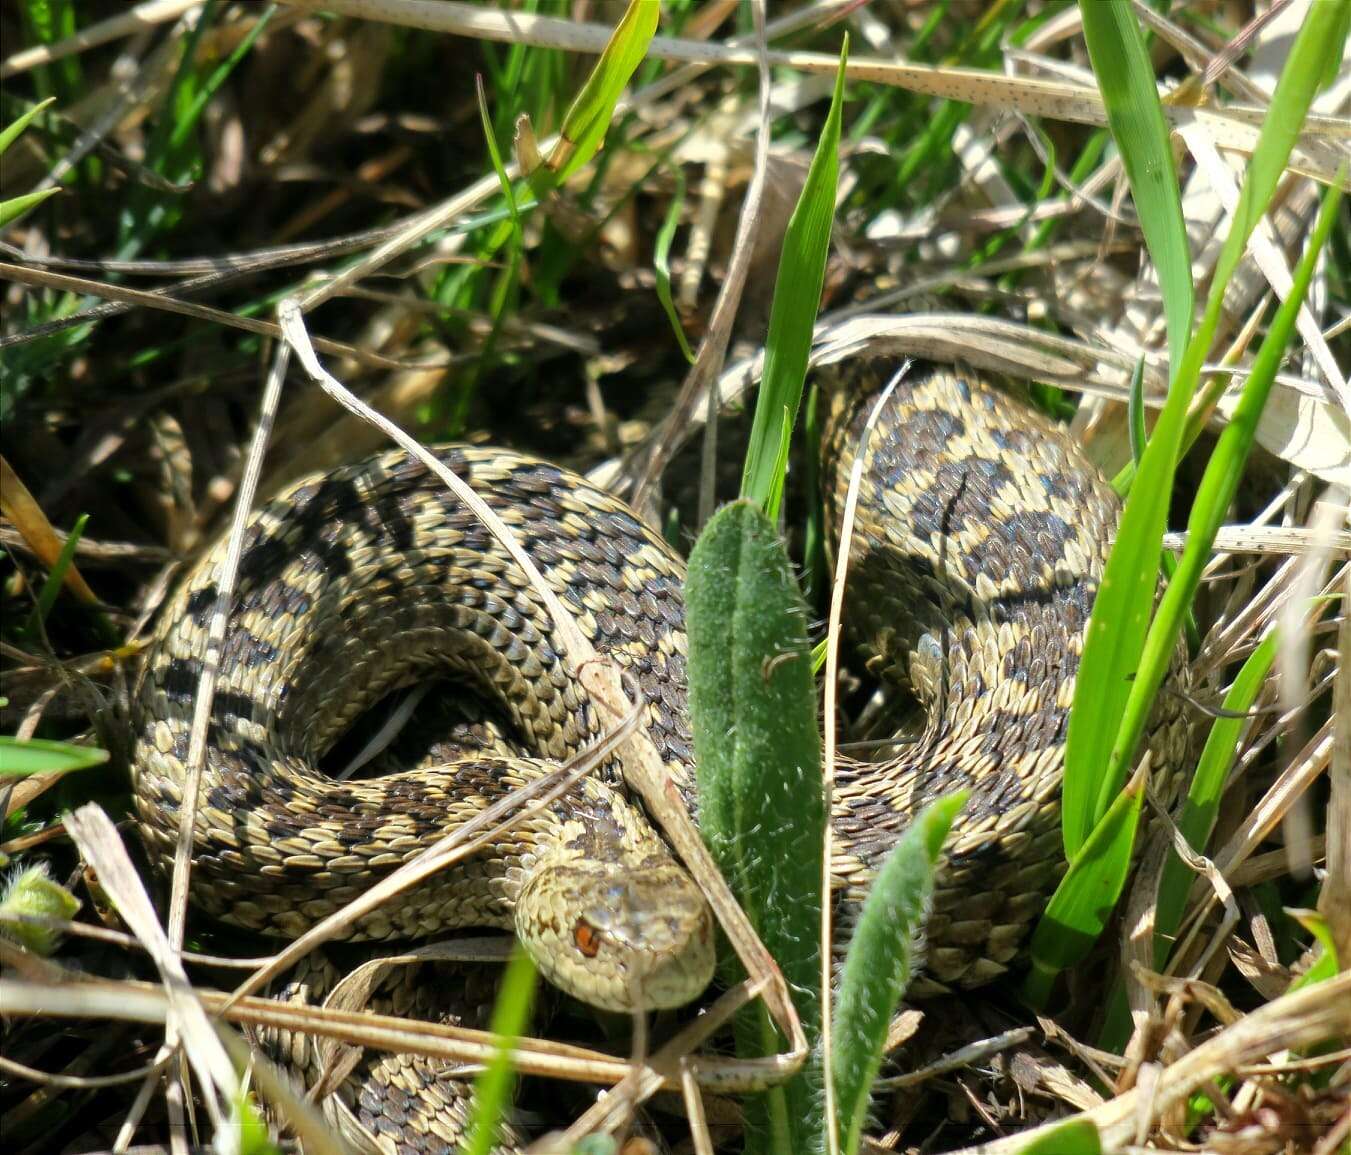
(217, 158)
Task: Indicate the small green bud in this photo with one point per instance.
(31, 893)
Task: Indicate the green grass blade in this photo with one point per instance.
(878, 965)
(1216, 492)
(247, 1133)
(1115, 640)
(762, 799)
(495, 155)
(1325, 966)
(492, 1089)
(39, 756)
(1058, 940)
(797, 297)
(12, 131)
(1198, 817)
(1135, 411)
(1125, 77)
(1083, 902)
(56, 578)
(589, 118)
(1203, 795)
(813, 531)
(1116, 633)
(504, 292)
(12, 209)
(49, 22)
(661, 263)
(1072, 1137)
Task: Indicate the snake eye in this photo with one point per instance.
(587, 938)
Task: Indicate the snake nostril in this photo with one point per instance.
(586, 937)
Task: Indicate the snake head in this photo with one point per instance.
(618, 937)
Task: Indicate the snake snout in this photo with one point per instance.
(618, 937)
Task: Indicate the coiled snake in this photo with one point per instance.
(980, 539)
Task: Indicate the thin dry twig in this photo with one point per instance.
(1296, 1021)
(834, 630)
(36, 278)
(138, 19)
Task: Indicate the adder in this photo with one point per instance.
(980, 540)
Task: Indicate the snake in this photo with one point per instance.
(980, 536)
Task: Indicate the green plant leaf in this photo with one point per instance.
(877, 967)
(495, 155)
(1135, 410)
(248, 1132)
(34, 894)
(761, 794)
(1072, 1137)
(492, 1089)
(1207, 784)
(1214, 495)
(588, 119)
(797, 297)
(57, 576)
(1115, 640)
(1083, 902)
(12, 209)
(1325, 966)
(1198, 818)
(12, 131)
(1125, 77)
(661, 262)
(40, 756)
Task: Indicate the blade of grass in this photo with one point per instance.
(661, 262)
(505, 287)
(495, 155)
(1198, 818)
(589, 118)
(1059, 939)
(1135, 411)
(878, 965)
(1115, 639)
(1216, 492)
(39, 756)
(12, 131)
(1083, 901)
(492, 1089)
(17, 504)
(173, 150)
(1136, 421)
(50, 22)
(57, 575)
(1125, 77)
(1325, 966)
(1203, 795)
(813, 533)
(12, 209)
(1072, 1137)
(248, 1133)
(797, 297)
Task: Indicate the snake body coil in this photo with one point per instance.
(980, 539)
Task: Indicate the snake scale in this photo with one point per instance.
(980, 539)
